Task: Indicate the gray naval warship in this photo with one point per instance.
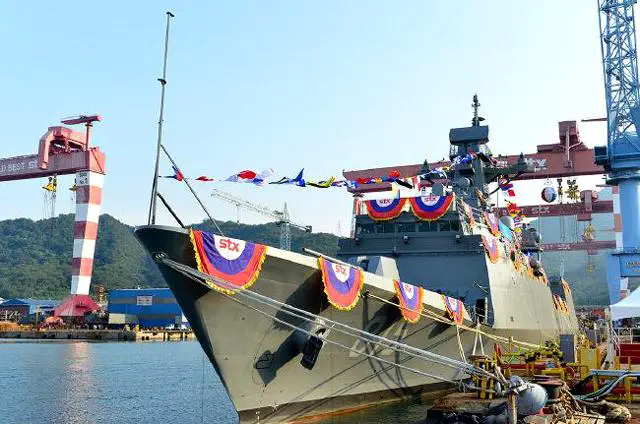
(280, 368)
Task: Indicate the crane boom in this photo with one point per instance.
(245, 204)
(619, 66)
(281, 217)
(621, 156)
(61, 151)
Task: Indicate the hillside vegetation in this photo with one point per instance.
(35, 257)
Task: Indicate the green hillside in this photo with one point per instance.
(35, 256)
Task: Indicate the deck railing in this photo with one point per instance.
(625, 335)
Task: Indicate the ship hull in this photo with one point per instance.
(258, 357)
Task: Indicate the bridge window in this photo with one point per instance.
(385, 227)
(445, 225)
(455, 225)
(406, 227)
(364, 264)
(365, 229)
(426, 226)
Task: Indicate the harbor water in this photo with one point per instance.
(120, 382)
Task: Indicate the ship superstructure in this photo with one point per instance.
(446, 251)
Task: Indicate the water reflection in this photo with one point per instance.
(80, 382)
(77, 392)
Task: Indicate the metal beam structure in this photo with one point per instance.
(621, 156)
(563, 209)
(591, 246)
(281, 217)
(567, 158)
(63, 151)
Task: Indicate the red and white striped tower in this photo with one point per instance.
(85, 230)
(617, 228)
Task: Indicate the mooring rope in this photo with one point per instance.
(351, 349)
(336, 326)
(435, 317)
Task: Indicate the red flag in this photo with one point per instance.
(394, 174)
(178, 174)
(247, 175)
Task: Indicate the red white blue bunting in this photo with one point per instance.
(455, 308)
(410, 300)
(236, 262)
(491, 247)
(506, 186)
(385, 209)
(342, 283)
(492, 222)
(528, 268)
(517, 264)
(543, 278)
(560, 304)
(468, 213)
(430, 208)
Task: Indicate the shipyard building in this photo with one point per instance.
(148, 308)
(19, 309)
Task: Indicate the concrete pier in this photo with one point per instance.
(107, 335)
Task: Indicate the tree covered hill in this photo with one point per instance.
(35, 256)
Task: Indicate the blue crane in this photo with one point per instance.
(621, 156)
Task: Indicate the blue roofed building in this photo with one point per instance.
(154, 307)
(16, 309)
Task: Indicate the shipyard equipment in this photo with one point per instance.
(621, 156)
(63, 151)
(281, 217)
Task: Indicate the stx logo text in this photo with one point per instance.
(229, 245)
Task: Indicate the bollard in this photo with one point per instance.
(512, 407)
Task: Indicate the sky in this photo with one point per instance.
(324, 86)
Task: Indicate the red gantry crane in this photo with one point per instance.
(569, 157)
(63, 151)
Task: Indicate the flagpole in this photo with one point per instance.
(163, 83)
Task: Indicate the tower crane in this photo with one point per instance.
(621, 156)
(281, 217)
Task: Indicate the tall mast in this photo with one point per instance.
(163, 83)
(476, 105)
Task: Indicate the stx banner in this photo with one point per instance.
(410, 300)
(236, 262)
(491, 247)
(455, 308)
(384, 209)
(342, 283)
(492, 222)
(468, 213)
(430, 208)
